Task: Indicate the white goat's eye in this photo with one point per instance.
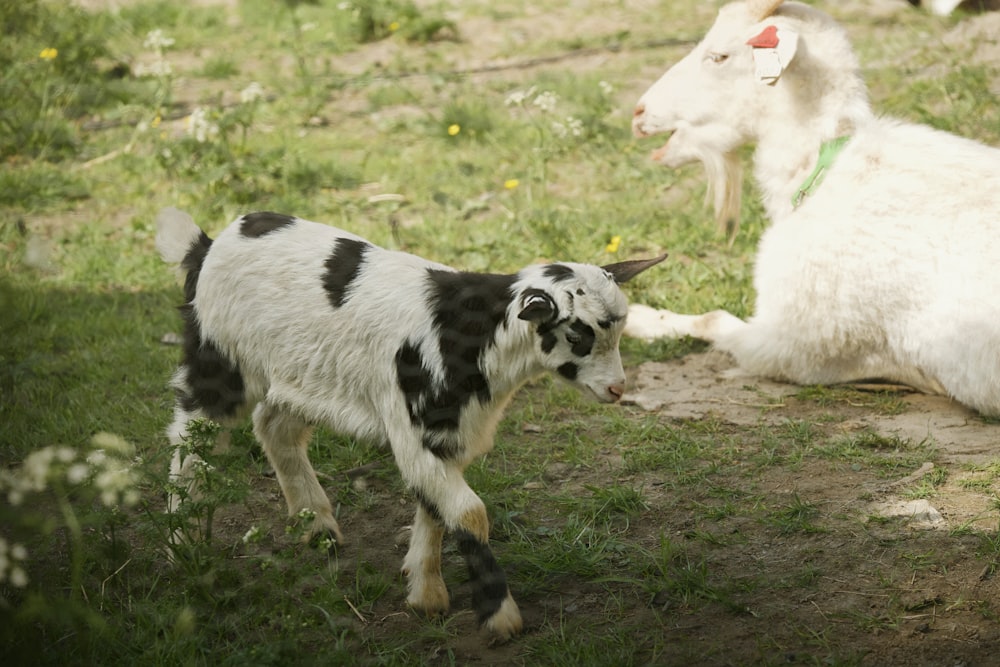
(572, 337)
(718, 57)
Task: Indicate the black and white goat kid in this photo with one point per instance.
(306, 324)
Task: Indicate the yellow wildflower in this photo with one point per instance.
(156, 121)
(48, 53)
(613, 244)
(394, 26)
(454, 129)
(511, 183)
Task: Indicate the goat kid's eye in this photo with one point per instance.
(717, 58)
(573, 338)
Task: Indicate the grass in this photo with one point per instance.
(628, 538)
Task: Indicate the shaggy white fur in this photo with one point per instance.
(306, 324)
(888, 269)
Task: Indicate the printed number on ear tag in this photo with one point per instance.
(767, 65)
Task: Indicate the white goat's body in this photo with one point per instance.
(888, 269)
(306, 324)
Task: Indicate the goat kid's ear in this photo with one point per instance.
(773, 51)
(622, 272)
(537, 306)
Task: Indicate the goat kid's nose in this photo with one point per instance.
(640, 109)
(616, 391)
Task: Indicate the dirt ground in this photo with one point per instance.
(907, 590)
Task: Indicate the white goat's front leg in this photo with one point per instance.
(650, 323)
(285, 439)
(446, 499)
(422, 565)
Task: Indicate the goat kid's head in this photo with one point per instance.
(715, 99)
(578, 312)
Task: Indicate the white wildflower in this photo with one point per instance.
(64, 454)
(251, 93)
(559, 129)
(18, 577)
(157, 41)
(606, 87)
(10, 569)
(200, 126)
(252, 535)
(546, 101)
(306, 27)
(159, 68)
(575, 126)
(112, 443)
(35, 469)
(77, 472)
(97, 457)
(115, 482)
(518, 97)
(204, 465)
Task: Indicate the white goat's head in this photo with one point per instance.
(712, 101)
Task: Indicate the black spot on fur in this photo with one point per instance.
(258, 224)
(568, 370)
(549, 341)
(428, 506)
(212, 382)
(192, 263)
(468, 309)
(558, 272)
(489, 583)
(584, 336)
(342, 267)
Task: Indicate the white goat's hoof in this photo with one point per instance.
(646, 323)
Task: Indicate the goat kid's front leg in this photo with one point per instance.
(650, 323)
(446, 501)
(285, 439)
(422, 564)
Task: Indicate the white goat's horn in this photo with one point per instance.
(761, 9)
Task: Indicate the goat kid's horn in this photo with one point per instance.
(761, 9)
(624, 271)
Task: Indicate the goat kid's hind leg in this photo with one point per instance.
(422, 565)
(285, 439)
(445, 496)
(185, 464)
(650, 323)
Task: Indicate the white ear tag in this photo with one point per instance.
(773, 50)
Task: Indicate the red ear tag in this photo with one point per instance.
(768, 39)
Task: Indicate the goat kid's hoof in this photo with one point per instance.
(506, 622)
(430, 600)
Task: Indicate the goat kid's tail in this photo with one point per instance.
(177, 235)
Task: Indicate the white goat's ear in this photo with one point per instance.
(537, 306)
(773, 51)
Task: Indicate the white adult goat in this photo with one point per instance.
(306, 324)
(889, 267)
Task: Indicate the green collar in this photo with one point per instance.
(828, 152)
